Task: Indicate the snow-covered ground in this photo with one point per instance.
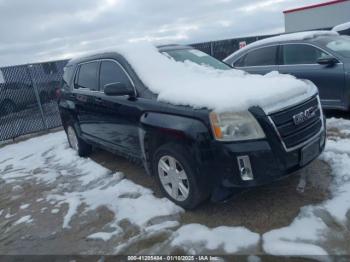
(50, 185)
(80, 186)
(314, 227)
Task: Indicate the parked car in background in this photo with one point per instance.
(15, 96)
(18, 96)
(163, 112)
(47, 77)
(320, 56)
(24, 86)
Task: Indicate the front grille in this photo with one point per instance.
(292, 134)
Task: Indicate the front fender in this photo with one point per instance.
(159, 128)
(181, 126)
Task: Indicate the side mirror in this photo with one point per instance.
(329, 60)
(117, 89)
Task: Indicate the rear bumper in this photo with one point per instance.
(267, 164)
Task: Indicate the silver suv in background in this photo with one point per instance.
(19, 84)
(15, 96)
(320, 56)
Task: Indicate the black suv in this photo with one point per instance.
(104, 103)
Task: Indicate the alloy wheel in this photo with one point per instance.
(173, 178)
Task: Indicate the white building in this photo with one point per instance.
(320, 16)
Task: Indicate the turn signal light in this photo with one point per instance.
(215, 125)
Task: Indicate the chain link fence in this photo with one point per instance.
(28, 98)
(223, 48)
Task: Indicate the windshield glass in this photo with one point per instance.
(197, 57)
(340, 45)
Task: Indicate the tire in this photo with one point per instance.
(76, 143)
(164, 160)
(8, 107)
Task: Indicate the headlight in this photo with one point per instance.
(235, 126)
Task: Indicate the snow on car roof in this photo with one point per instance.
(190, 84)
(341, 27)
(299, 36)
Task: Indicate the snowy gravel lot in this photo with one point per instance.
(53, 202)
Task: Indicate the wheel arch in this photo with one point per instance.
(157, 129)
(68, 118)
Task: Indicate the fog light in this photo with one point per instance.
(245, 168)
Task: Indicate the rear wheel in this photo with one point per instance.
(176, 176)
(80, 146)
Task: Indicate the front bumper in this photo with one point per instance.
(267, 163)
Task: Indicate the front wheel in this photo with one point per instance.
(80, 146)
(176, 176)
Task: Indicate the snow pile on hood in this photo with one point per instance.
(341, 27)
(189, 84)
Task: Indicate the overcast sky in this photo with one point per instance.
(38, 30)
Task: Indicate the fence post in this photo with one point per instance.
(37, 97)
(211, 49)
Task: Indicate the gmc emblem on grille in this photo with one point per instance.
(304, 116)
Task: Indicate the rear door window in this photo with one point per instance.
(265, 56)
(296, 54)
(88, 76)
(111, 72)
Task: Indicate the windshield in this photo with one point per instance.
(197, 57)
(340, 45)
